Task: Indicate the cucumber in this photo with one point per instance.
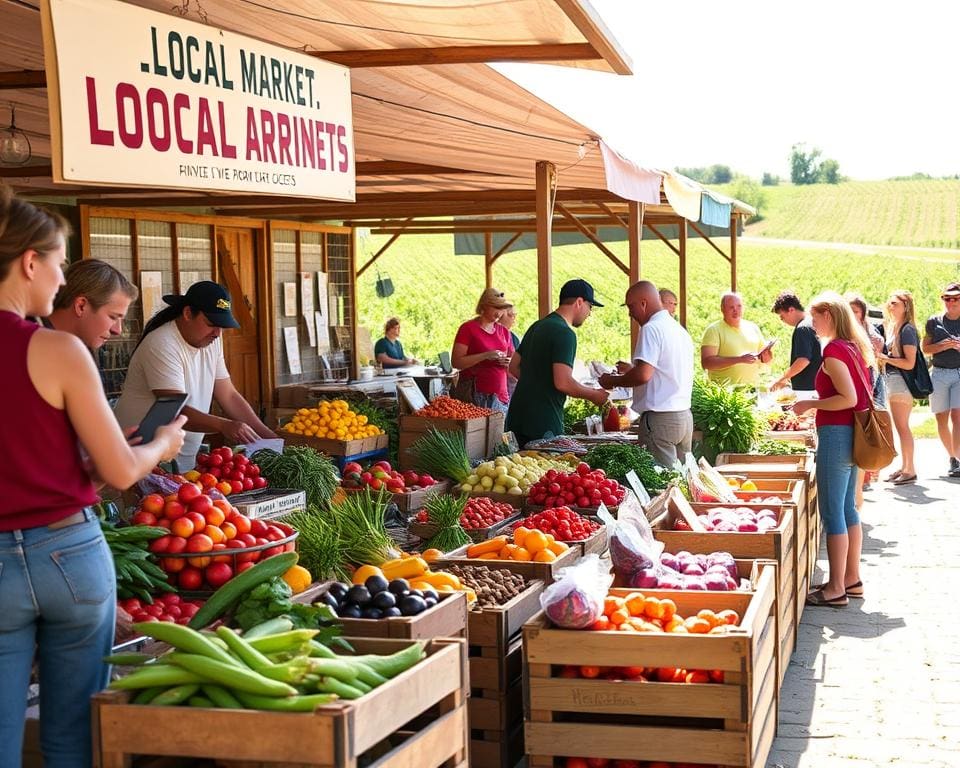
(230, 593)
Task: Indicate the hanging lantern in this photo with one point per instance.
(15, 146)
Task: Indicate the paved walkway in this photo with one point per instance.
(878, 683)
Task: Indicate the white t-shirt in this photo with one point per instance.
(666, 345)
(165, 361)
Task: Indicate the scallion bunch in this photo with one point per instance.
(444, 511)
(363, 533)
(319, 544)
(442, 454)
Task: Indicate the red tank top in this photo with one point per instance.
(42, 478)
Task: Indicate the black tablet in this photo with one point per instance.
(164, 410)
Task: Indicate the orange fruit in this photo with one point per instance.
(535, 541)
(558, 547)
(519, 534)
(697, 626)
(431, 554)
(729, 616)
(669, 608)
(600, 625)
(544, 556)
(619, 616)
(506, 552)
(611, 603)
(652, 608)
(522, 554)
(709, 616)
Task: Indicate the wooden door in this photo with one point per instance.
(237, 262)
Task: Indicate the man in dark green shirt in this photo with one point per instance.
(543, 366)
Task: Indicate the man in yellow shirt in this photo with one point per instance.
(732, 349)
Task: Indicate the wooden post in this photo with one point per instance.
(546, 180)
(488, 257)
(634, 232)
(733, 252)
(682, 231)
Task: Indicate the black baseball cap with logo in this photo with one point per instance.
(579, 289)
(208, 297)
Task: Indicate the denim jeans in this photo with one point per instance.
(491, 401)
(58, 598)
(836, 478)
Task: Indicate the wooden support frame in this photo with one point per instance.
(379, 253)
(733, 253)
(585, 231)
(488, 259)
(682, 253)
(634, 231)
(27, 78)
(546, 193)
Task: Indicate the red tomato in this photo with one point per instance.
(174, 509)
(243, 566)
(257, 527)
(216, 460)
(190, 578)
(236, 486)
(225, 451)
(240, 460)
(253, 470)
(247, 483)
(217, 574)
(188, 492)
(144, 518)
(259, 482)
(199, 542)
(152, 503)
(576, 762)
(203, 459)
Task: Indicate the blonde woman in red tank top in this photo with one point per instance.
(58, 588)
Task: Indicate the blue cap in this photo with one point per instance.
(579, 289)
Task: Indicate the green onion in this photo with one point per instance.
(444, 511)
(300, 468)
(363, 534)
(319, 545)
(726, 416)
(442, 454)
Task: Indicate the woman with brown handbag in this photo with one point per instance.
(842, 389)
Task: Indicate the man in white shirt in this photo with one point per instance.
(181, 352)
(661, 376)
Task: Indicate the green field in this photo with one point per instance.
(922, 213)
(436, 290)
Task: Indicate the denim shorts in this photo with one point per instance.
(896, 386)
(946, 389)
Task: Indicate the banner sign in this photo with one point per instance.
(141, 98)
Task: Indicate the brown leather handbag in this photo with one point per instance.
(872, 431)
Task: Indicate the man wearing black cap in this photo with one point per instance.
(180, 352)
(543, 367)
(942, 340)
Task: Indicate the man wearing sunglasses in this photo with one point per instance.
(942, 340)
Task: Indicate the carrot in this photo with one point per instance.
(484, 547)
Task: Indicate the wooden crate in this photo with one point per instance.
(412, 500)
(730, 723)
(269, 503)
(778, 545)
(806, 436)
(448, 618)
(421, 714)
(338, 447)
(481, 435)
(496, 664)
(504, 498)
(545, 572)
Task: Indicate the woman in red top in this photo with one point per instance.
(482, 350)
(57, 585)
(842, 388)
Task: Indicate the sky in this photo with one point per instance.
(874, 85)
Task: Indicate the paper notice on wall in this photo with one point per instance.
(289, 299)
(322, 291)
(151, 294)
(306, 293)
(364, 344)
(292, 344)
(323, 334)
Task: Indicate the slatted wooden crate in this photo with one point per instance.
(417, 719)
(778, 545)
(545, 572)
(496, 664)
(730, 723)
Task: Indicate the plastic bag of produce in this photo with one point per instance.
(630, 539)
(575, 600)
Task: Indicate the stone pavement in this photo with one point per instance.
(878, 683)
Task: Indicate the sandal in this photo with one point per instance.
(817, 599)
(893, 476)
(905, 480)
(854, 590)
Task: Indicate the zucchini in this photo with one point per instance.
(230, 593)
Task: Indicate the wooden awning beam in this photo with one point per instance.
(585, 231)
(458, 54)
(615, 219)
(506, 246)
(398, 168)
(379, 253)
(700, 232)
(27, 78)
(25, 171)
(660, 234)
